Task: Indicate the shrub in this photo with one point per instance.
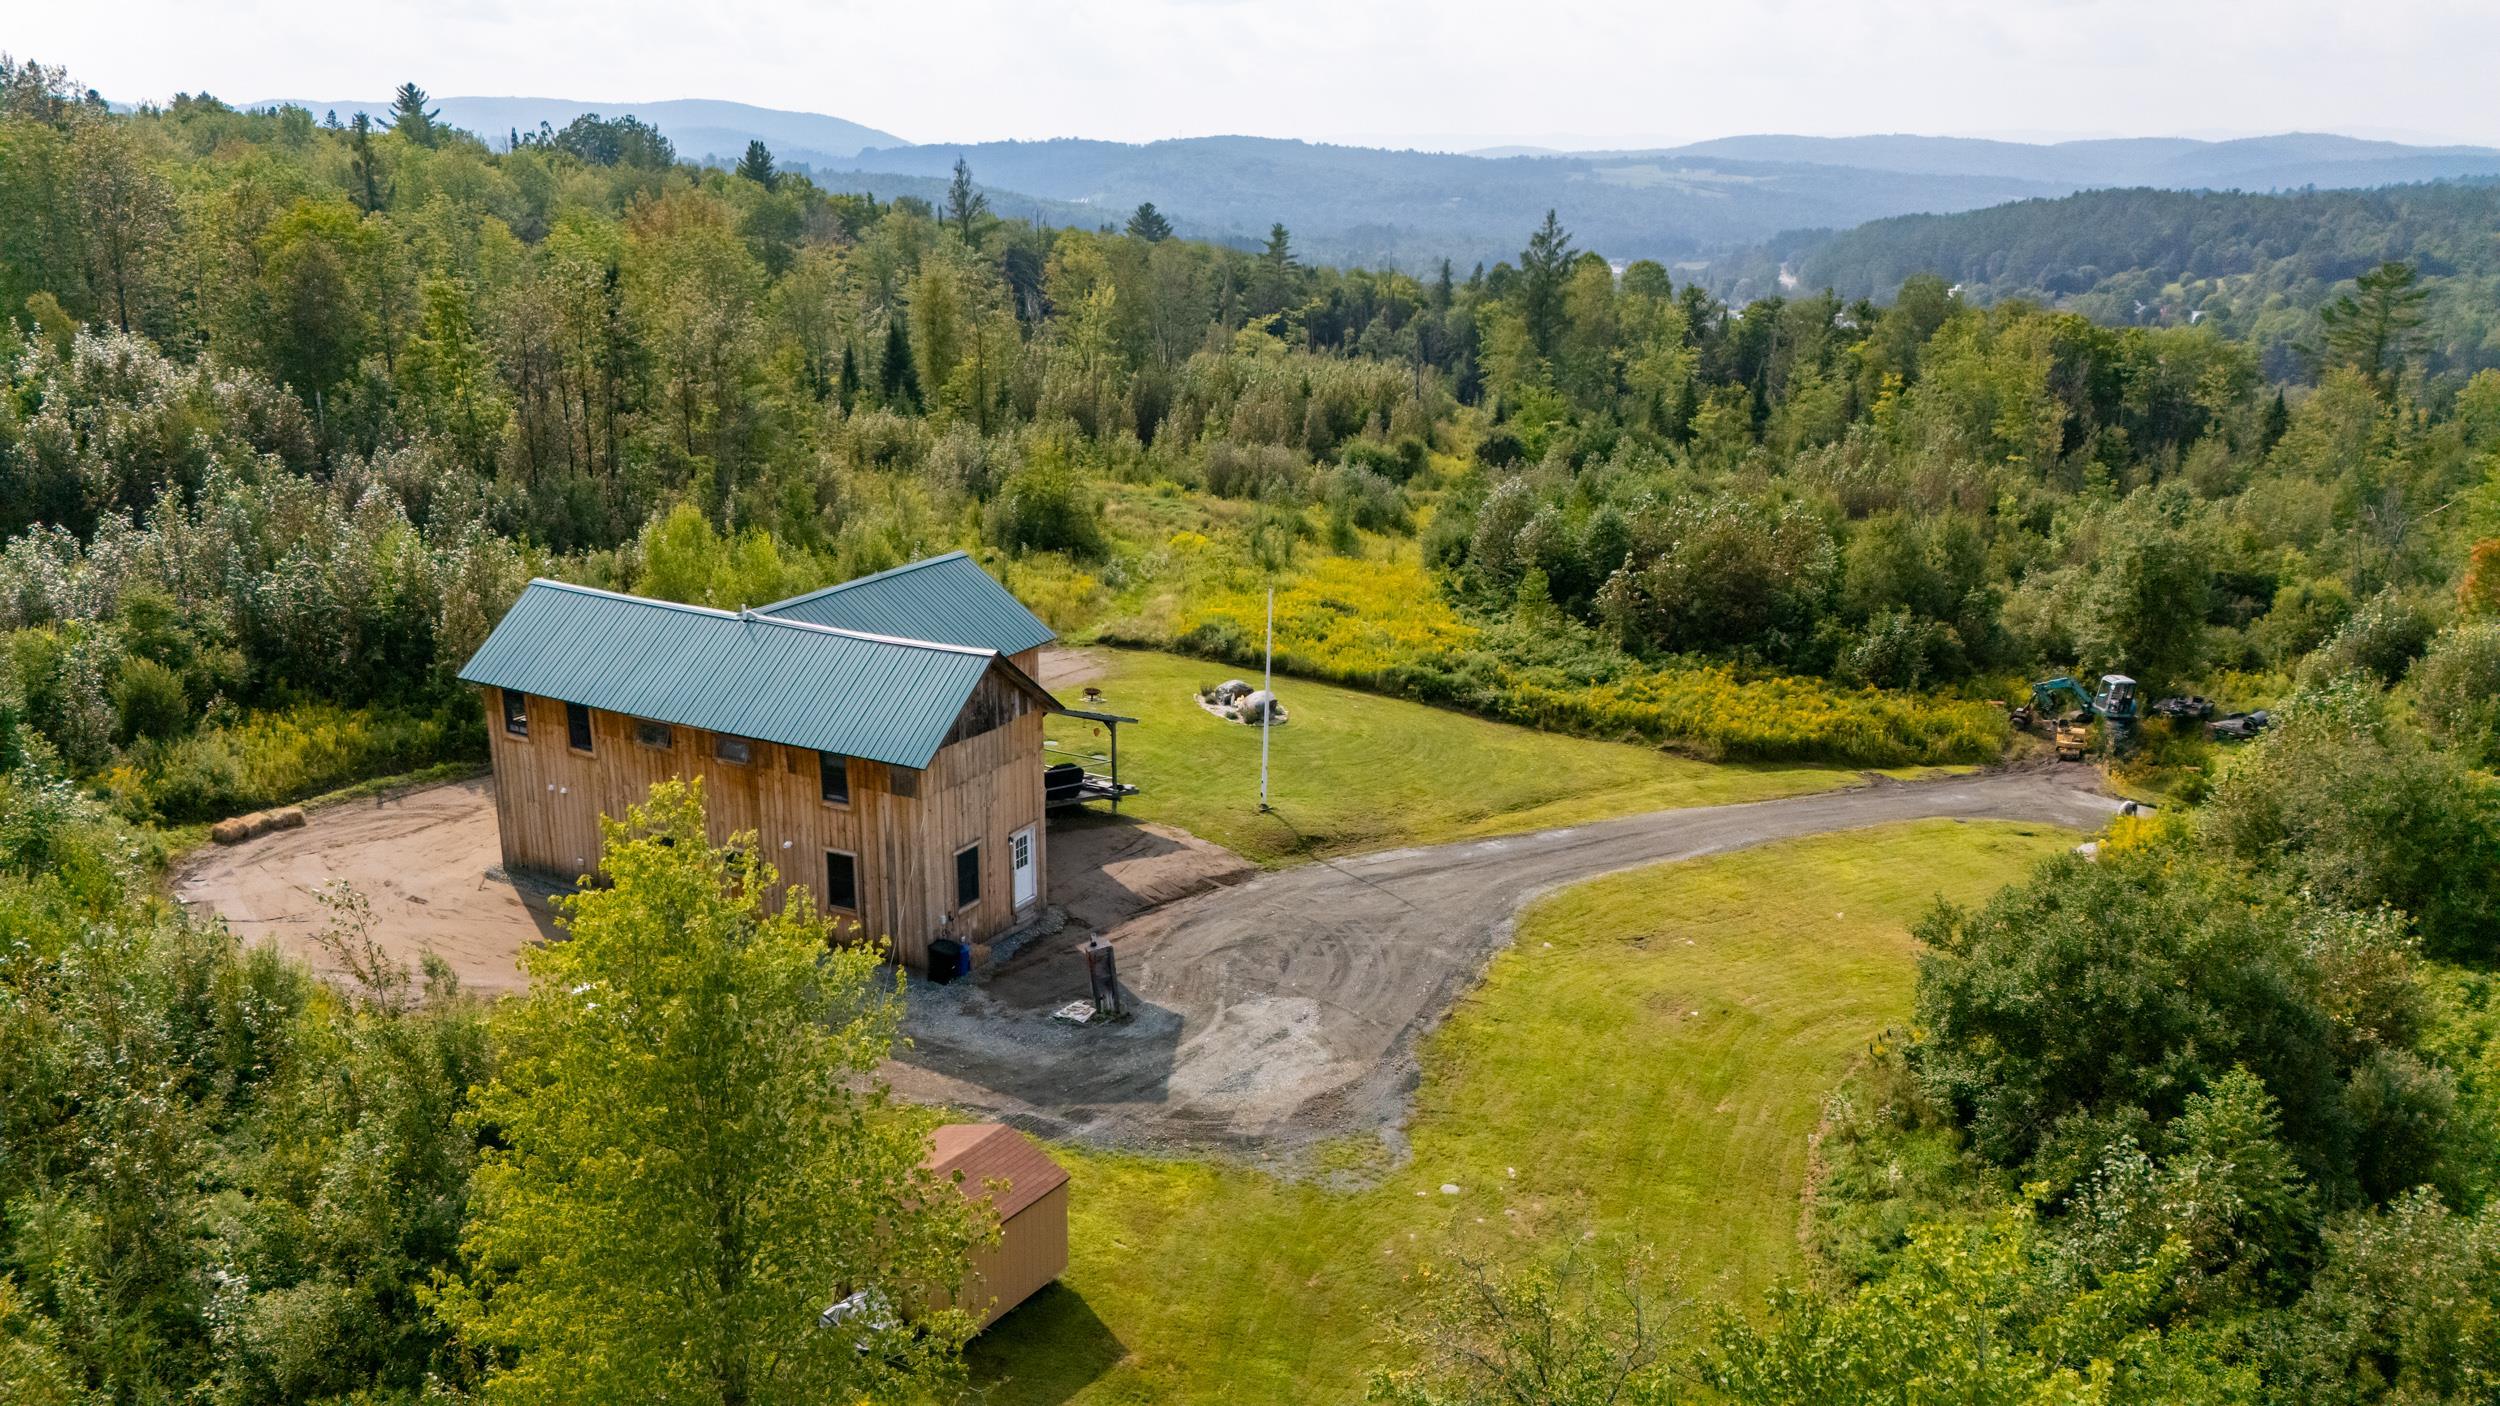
(1252, 470)
(1046, 508)
(148, 699)
(1367, 500)
(2457, 691)
(2382, 639)
(272, 758)
(2358, 811)
(2164, 972)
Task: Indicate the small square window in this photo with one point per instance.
(516, 713)
(833, 777)
(733, 749)
(577, 726)
(968, 877)
(841, 881)
(651, 734)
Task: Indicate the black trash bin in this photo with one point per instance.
(949, 959)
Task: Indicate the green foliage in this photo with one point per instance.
(1983, 1313)
(270, 758)
(1046, 507)
(2406, 1308)
(2164, 974)
(2382, 639)
(2456, 691)
(2349, 806)
(685, 1172)
(250, 1204)
(1568, 1334)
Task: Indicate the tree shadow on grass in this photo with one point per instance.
(1045, 1351)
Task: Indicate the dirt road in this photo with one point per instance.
(1283, 1012)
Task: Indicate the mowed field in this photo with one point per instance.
(1647, 1060)
(1357, 771)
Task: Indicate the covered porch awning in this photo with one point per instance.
(1084, 776)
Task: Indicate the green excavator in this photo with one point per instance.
(2069, 710)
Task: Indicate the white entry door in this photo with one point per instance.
(1020, 865)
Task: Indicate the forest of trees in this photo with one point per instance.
(291, 403)
(2257, 267)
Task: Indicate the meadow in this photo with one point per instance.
(1355, 770)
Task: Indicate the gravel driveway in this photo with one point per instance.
(1274, 1015)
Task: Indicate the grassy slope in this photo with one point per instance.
(1647, 1059)
(1355, 771)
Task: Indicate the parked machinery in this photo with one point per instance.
(2068, 708)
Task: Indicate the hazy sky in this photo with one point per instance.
(1459, 72)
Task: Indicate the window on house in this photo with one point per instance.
(968, 877)
(833, 777)
(577, 726)
(733, 749)
(651, 734)
(841, 881)
(516, 713)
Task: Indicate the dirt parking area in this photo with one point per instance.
(427, 860)
(429, 863)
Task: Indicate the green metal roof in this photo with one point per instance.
(947, 598)
(803, 685)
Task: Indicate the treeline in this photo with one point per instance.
(2256, 267)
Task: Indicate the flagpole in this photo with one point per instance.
(1267, 682)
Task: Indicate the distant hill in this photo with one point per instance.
(1367, 205)
(700, 127)
(2255, 265)
(1374, 206)
(2283, 162)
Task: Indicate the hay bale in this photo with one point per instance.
(231, 832)
(285, 818)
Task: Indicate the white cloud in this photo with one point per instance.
(1380, 69)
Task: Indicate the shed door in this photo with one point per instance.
(1020, 864)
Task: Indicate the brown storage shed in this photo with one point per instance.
(897, 778)
(1028, 1192)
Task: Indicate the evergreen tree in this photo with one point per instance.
(1272, 283)
(897, 379)
(1544, 266)
(411, 118)
(965, 206)
(2376, 328)
(757, 166)
(365, 166)
(846, 385)
(1149, 225)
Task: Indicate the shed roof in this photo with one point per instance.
(987, 1152)
(947, 598)
(803, 685)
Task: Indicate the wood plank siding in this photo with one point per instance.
(904, 828)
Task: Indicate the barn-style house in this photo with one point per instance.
(882, 738)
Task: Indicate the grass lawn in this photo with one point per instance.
(1355, 771)
(1646, 1060)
